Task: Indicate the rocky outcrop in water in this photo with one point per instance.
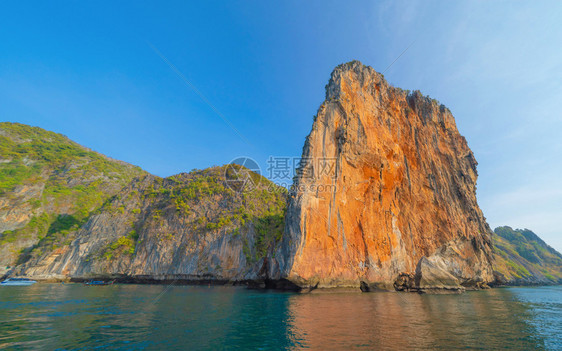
(384, 200)
(385, 197)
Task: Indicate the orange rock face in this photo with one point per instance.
(386, 180)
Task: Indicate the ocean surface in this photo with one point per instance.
(158, 317)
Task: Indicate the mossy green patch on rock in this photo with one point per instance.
(125, 245)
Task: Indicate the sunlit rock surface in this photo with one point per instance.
(400, 198)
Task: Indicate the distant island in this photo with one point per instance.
(384, 200)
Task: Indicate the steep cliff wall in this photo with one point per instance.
(385, 194)
(186, 227)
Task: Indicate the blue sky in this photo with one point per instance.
(88, 70)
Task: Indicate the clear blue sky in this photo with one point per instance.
(87, 70)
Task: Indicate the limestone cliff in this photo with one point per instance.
(188, 227)
(385, 195)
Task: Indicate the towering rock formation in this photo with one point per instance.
(385, 196)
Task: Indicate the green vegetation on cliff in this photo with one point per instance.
(521, 257)
(49, 186)
(124, 245)
(205, 202)
(192, 224)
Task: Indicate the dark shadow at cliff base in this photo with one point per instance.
(266, 284)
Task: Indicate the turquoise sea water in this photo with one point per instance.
(136, 317)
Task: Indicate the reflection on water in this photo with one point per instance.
(483, 320)
(51, 316)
